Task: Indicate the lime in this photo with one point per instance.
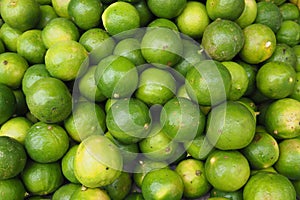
(260, 43)
(296, 49)
(225, 124)
(86, 119)
(269, 185)
(194, 179)
(222, 40)
(225, 9)
(162, 46)
(21, 106)
(49, 104)
(30, 45)
(144, 12)
(16, 128)
(166, 9)
(7, 103)
(268, 14)
(199, 148)
(164, 23)
(65, 192)
(22, 15)
(134, 196)
(97, 162)
(14, 157)
(227, 170)
(120, 188)
(248, 15)
(47, 14)
(67, 164)
(119, 17)
(12, 69)
(112, 75)
(251, 73)
(296, 185)
(12, 189)
(289, 33)
(182, 120)
(208, 83)
(85, 14)
(156, 86)
(162, 184)
(193, 19)
(128, 120)
(282, 118)
(9, 37)
(288, 161)
(61, 7)
(296, 92)
(58, 30)
(89, 194)
(42, 178)
(236, 195)
(66, 60)
(289, 11)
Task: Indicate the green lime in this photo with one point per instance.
(251, 73)
(42, 178)
(85, 14)
(21, 106)
(89, 194)
(16, 128)
(144, 12)
(65, 192)
(67, 164)
(248, 15)
(49, 104)
(47, 14)
(296, 92)
(166, 9)
(194, 179)
(162, 184)
(296, 49)
(30, 45)
(289, 11)
(225, 9)
(97, 162)
(236, 195)
(87, 119)
(289, 33)
(227, 170)
(7, 103)
(222, 40)
(208, 83)
(12, 69)
(128, 120)
(163, 23)
(269, 185)
(61, 7)
(120, 188)
(12, 189)
(199, 148)
(135, 196)
(282, 118)
(9, 36)
(22, 15)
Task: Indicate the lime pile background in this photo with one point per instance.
(149, 99)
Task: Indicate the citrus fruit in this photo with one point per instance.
(156, 86)
(61, 7)
(194, 179)
(66, 60)
(182, 120)
(248, 15)
(21, 106)
(33, 74)
(222, 39)
(164, 23)
(162, 46)
(236, 195)
(88, 88)
(85, 14)
(296, 185)
(12, 189)
(270, 185)
(16, 128)
(22, 15)
(14, 157)
(296, 92)
(58, 30)
(262, 152)
(9, 37)
(289, 11)
(65, 191)
(225, 124)
(89, 194)
(67, 164)
(199, 148)
(97, 162)
(193, 20)
(128, 120)
(158, 146)
(144, 12)
(87, 119)
(30, 45)
(166, 9)
(47, 14)
(7, 102)
(46, 143)
(208, 83)
(42, 178)
(251, 73)
(134, 196)
(282, 118)
(260, 43)
(288, 161)
(227, 170)
(296, 49)
(162, 184)
(268, 14)
(120, 188)
(12, 69)
(119, 17)
(225, 9)
(288, 33)
(239, 80)
(49, 104)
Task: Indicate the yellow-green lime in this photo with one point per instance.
(121, 187)
(65, 191)
(166, 9)
(9, 37)
(163, 22)
(89, 194)
(248, 15)
(296, 92)
(199, 148)
(236, 195)
(61, 7)
(225, 9)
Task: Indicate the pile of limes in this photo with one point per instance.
(149, 99)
